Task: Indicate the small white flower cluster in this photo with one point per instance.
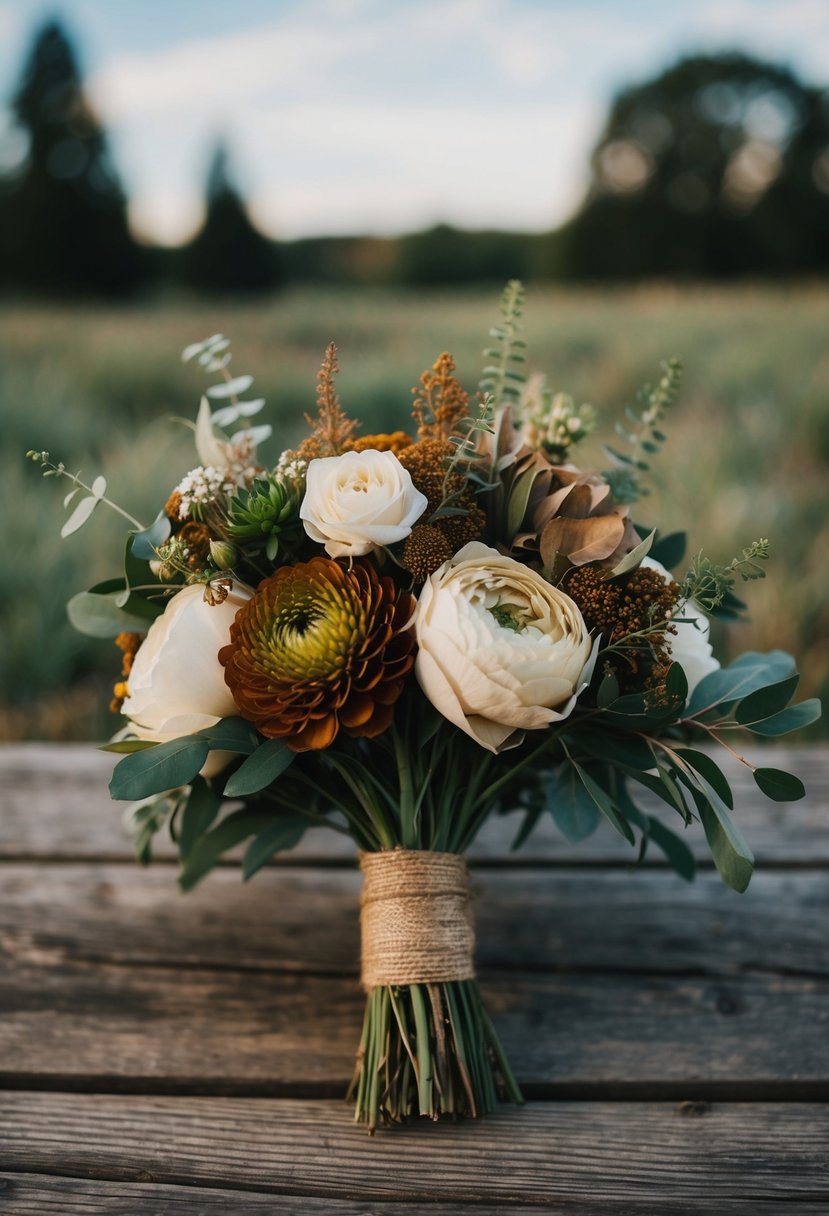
(200, 487)
(291, 468)
(553, 422)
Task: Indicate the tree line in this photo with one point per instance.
(716, 168)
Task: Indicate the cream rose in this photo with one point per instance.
(359, 501)
(501, 651)
(689, 646)
(177, 686)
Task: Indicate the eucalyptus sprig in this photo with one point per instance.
(96, 493)
(644, 436)
(213, 354)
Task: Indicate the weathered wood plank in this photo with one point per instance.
(305, 919)
(593, 1158)
(40, 1195)
(55, 804)
(193, 1030)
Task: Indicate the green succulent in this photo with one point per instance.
(269, 512)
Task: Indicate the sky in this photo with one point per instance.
(382, 116)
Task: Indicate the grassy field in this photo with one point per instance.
(748, 450)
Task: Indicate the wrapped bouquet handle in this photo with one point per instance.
(415, 918)
(428, 1046)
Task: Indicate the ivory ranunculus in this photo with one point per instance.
(177, 685)
(500, 651)
(689, 646)
(359, 501)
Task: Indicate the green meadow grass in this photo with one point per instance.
(748, 449)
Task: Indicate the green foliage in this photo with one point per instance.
(641, 431)
(709, 584)
(503, 376)
(260, 769)
(166, 766)
(207, 848)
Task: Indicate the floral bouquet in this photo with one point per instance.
(398, 635)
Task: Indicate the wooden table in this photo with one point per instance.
(169, 1054)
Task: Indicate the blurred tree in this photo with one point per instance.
(228, 255)
(63, 222)
(443, 255)
(719, 166)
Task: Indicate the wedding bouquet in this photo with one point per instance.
(398, 635)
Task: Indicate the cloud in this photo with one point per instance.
(358, 115)
(204, 74)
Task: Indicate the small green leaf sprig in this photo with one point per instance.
(642, 433)
(503, 376)
(710, 585)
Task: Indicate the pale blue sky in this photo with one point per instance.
(383, 115)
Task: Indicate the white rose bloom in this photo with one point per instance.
(177, 685)
(501, 651)
(689, 646)
(359, 501)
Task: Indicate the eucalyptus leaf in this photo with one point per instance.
(231, 388)
(199, 812)
(628, 752)
(779, 785)
(745, 675)
(208, 848)
(99, 486)
(710, 770)
(676, 686)
(99, 616)
(793, 718)
(80, 515)
(732, 856)
(252, 434)
(284, 833)
(574, 811)
(231, 735)
(605, 804)
(766, 702)
(608, 690)
(145, 543)
(229, 414)
(674, 848)
(154, 770)
(260, 769)
(665, 788)
(126, 746)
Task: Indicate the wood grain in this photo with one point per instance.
(305, 919)
(631, 1158)
(194, 1030)
(41, 1195)
(55, 804)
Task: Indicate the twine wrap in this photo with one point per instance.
(415, 918)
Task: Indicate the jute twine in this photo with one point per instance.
(415, 918)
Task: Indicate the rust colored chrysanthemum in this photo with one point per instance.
(320, 648)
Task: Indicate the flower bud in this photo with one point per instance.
(223, 554)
